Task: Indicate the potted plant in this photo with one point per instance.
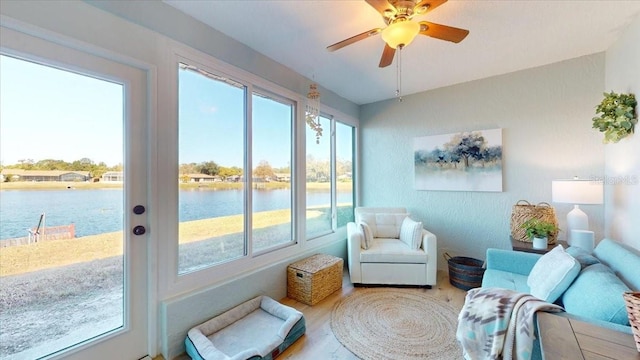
(539, 230)
(616, 116)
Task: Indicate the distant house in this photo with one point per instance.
(283, 177)
(46, 175)
(200, 178)
(113, 176)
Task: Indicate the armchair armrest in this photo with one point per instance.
(354, 239)
(511, 261)
(430, 246)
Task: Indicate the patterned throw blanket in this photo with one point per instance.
(498, 324)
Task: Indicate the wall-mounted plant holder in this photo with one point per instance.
(616, 116)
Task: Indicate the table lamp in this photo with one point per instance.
(578, 192)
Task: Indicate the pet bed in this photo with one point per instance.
(260, 328)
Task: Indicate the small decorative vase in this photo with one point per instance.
(539, 243)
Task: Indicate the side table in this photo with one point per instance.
(528, 247)
(564, 338)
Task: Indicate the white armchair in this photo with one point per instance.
(395, 252)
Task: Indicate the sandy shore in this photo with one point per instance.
(50, 254)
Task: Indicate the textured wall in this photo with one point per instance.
(545, 114)
(622, 170)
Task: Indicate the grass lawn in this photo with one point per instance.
(49, 254)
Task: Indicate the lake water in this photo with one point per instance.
(99, 211)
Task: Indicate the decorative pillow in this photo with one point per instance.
(583, 256)
(597, 293)
(368, 237)
(370, 219)
(552, 274)
(411, 233)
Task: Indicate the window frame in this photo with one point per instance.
(170, 284)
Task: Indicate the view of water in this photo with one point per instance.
(99, 211)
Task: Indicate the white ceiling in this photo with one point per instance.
(505, 36)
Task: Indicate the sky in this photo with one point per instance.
(48, 113)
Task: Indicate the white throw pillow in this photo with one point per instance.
(552, 274)
(368, 236)
(411, 233)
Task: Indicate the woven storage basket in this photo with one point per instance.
(525, 211)
(314, 278)
(632, 301)
(464, 272)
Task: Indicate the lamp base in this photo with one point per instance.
(576, 220)
(583, 239)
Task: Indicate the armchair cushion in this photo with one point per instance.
(383, 225)
(411, 233)
(552, 274)
(387, 250)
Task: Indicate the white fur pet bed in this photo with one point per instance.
(260, 328)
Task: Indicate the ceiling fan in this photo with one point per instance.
(401, 28)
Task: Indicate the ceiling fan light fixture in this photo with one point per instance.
(400, 33)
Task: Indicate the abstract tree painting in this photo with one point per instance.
(466, 161)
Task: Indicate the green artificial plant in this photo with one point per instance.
(616, 116)
(539, 228)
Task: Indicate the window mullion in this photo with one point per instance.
(333, 176)
(248, 172)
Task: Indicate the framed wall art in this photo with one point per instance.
(465, 161)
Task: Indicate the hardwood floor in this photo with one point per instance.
(319, 342)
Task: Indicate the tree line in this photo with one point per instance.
(317, 169)
(84, 164)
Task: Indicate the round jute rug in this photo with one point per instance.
(392, 323)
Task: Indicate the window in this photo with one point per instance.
(318, 175)
(272, 193)
(211, 182)
(345, 139)
(237, 180)
(325, 173)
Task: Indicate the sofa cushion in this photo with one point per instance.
(388, 250)
(505, 280)
(552, 274)
(367, 235)
(583, 256)
(597, 293)
(411, 233)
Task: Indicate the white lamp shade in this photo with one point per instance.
(577, 191)
(400, 33)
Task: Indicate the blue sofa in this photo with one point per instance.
(594, 296)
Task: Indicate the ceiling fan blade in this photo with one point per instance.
(387, 56)
(425, 6)
(351, 40)
(443, 32)
(383, 7)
